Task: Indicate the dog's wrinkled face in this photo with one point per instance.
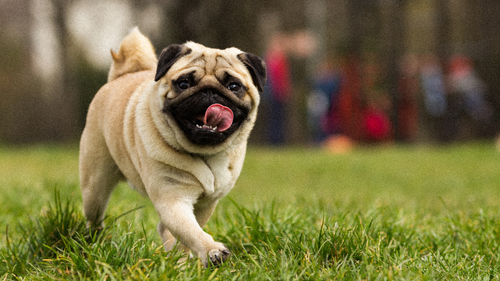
(209, 93)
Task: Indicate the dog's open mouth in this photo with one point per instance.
(217, 118)
(207, 118)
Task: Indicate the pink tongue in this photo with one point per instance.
(220, 116)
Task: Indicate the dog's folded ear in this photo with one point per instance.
(168, 57)
(256, 67)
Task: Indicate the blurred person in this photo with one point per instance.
(376, 103)
(471, 89)
(433, 87)
(408, 91)
(350, 113)
(435, 98)
(322, 103)
(377, 124)
(279, 86)
(302, 43)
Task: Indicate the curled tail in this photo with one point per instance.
(136, 53)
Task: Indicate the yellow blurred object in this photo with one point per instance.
(339, 144)
(497, 143)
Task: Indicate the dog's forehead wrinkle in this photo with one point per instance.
(187, 74)
(209, 80)
(215, 59)
(197, 61)
(223, 62)
(193, 71)
(211, 62)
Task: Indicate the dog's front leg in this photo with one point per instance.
(176, 209)
(169, 241)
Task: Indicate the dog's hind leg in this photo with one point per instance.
(99, 175)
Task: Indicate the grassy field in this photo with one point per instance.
(377, 213)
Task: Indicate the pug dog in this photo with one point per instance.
(176, 128)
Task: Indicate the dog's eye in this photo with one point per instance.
(183, 84)
(234, 87)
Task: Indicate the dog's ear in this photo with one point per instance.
(257, 68)
(168, 57)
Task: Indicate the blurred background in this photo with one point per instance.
(339, 71)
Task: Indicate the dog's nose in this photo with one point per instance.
(210, 95)
(209, 91)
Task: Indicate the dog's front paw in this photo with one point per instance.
(218, 256)
(94, 228)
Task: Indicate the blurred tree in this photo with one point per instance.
(443, 31)
(396, 50)
(183, 20)
(90, 80)
(363, 29)
(217, 24)
(483, 21)
(63, 101)
(355, 13)
(20, 110)
(484, 27)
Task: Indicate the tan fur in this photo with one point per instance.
(136, 53)
(127, 136)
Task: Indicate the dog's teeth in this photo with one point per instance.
(206, 127)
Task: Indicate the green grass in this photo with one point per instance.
(377, 213)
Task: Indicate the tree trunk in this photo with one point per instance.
(63, 102)
(396, 52)
(443, 32)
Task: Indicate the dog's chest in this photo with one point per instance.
(226, 170)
